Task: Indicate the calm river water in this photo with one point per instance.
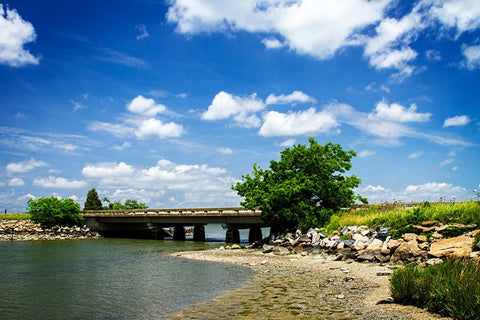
(107, 279)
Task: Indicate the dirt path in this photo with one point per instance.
(297, 287)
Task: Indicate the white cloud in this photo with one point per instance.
(365, 153)
(145, 107)
(154, 127)
(472, 56)
(241, 109)
(118, 130)
(122, 146)
(272, 43)
(16, 182)
(446, 161)
(433, 55)
(398, 113)
(143, 31)
(287, 143)
(306, 26)
(77, 106)
(25, 166)
(415, 155)
(14, 34)
(225, 150)
(295, 96)
(456, 121)
(433, 191)
(463, 15)
(58, 182)
(297, 123)
(108, 169)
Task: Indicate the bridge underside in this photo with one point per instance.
(154, 228)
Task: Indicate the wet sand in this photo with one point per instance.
(301, 287)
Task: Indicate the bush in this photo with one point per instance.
(450, 289)
(52, 211)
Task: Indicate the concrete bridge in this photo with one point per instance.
(150, 223)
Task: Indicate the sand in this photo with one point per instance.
(301, 287)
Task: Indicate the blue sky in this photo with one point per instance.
(171, 102)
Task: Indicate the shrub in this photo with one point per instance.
(451, 289)
(52, 211)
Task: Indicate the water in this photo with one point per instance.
(107, 279)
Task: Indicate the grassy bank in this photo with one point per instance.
(451, 289)
(15, 216)
(399, 218)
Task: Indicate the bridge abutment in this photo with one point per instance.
(179, 233)
(232, 235)
(254, 234)
(199, 233)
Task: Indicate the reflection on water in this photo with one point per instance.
(106, 279)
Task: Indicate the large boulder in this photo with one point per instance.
(456, 248)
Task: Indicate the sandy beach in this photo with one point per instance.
(301, 287)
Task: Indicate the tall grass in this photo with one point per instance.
(398, 217)
(450, 289)
(15, 216)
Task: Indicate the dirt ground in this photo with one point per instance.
(301, 287)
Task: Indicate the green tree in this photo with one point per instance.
(129, 204)
(52, 211)
(93, 201)
(304, 188)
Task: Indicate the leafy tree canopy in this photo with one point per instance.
(304, 188)
(52, 211)
(93, 201)
(128, 204)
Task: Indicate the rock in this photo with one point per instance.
(428, 223)
(359, 245)
(393, 244)
(280, 251)
(409, 237)
(348, 243)
(457, 247)
(366, 256)
(359, 237)
(433, 261)
(267, 248)
(384, 273)
(436, 236)
(387, 300)
(340, 296)
(408, 251)
(383, 233)
(422, 238)
(425, 229)
(235, 247)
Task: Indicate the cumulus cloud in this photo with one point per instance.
(241, 109)
(191, 183)
(472, 56)
(24, 166)
(398, 113)
(225, 150)
(305, 122)
(15, 33)
(58, 182)
(141, 123)
(295, 96)
(321, 28)
(145, 107)
(456, 121)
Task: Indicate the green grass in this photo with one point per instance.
(15, 216)
(451, 289)
(398, 217)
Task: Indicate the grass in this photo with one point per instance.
(15, 216)
(451, 289)
(398, 217)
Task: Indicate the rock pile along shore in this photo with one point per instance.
(433, 244)
(26, 230)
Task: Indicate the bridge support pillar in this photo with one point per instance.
(199, 233)
(179, 233)
(233, 235)
(254, 234)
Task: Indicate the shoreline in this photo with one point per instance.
(301, 287)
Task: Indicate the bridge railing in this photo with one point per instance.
(240, 211)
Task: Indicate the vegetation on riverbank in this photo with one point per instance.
(15, 216)
(451, 289)
(401, 219)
